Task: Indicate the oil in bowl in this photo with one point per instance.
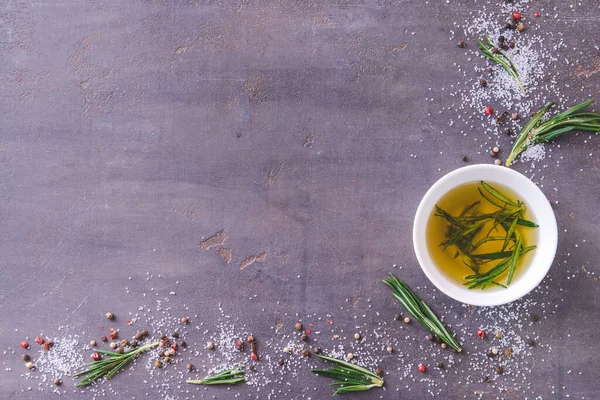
(481, 235)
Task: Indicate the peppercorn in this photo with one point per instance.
(498, 162)
(444, 345)
(535, 317)
(252, 368)
(103, 338)
(25, 357)
(298, 326)
(254, 356)
(439, 364)
(210, 346)
(379, 371)
(124, 342)
(498, 335)
(304, 337)
(167, 359)
(175, 335)
(158, 364)
(239, 344)
(496, 149)
(134, 343)
(508, 25)
(531, 342)
(57, 381)
(281, 361)
(29, 365)
(350, 356)
(508, 132)
(406, 320)
(96, 356)
(119, 350)
(185, 320)
(162, 336)
(92, 343)
(390, 349)
(494, 49)
(305, 353)
(536, 14)
(190, 367)
(170, 352)
(174, 346)
(287, 350)
(397, 317)
(461, 43)
(316, 350)
(250, 339)
(499, 370)
(489, 354)
(501, 39)
(516, 15)
(138, 336)
(113, 345)
(465, 158)
(489, 110)
(48, 345)
(494, 351)
(520, 27)
(511, 44)
(513, 25)
(110, 316)
(39, 340)
(161, 353)
(24, 344)
(483, 83)
(490, 70)
(480, 333)
(114, 334)
(429, 338)
(508, 352)
(421, 368)
(183, 344)
(165, 343)
(514, 116)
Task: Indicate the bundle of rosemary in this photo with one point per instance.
(537, 131)
(349, 377)
(467, 233)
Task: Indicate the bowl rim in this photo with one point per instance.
(539, 206)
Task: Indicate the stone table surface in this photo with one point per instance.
(305, 130)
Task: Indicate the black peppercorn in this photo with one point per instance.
(304, 337)
(190, 367)
(397, 317)
(499, 370)
(25, 357)
(183, 344)
(508, 132)
(461, 43)
(175, 335)
(305, 353)
(490, 70)
(379, 371)
(501, 39)
(483, 83)
(531, 342)
(494, 50)
(465, 158)
(281, 361)
(439, 364)
(317, 350)
(511, 44)
(535, 317)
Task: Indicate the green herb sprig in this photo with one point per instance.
(109, 366)
(535, 131)
(349, 377)
(227, 377)
(493, 53)
(420, 311)
(463, 229)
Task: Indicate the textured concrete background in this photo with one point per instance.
(132, 130)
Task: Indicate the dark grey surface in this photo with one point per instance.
(130, 131)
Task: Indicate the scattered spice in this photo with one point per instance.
(516, 15)
(210, 346)
(489, 110)
(158, 364)
(508, 352)
(29, 365)
(499, 370)
(379, 371)
(305, 353)
(304, 337)
(250, 339)
(113, 345)
(461, 43)
(390, 349)
(498, 335)
(25, 357)
(439, 364)
(350, 356)
(39, 340)
(57, 382)
(103, 338)
(185, 320)
(480, 333)
(298, 326)
(317, 350)
(92, 343)
(190, 367)
(357, 336)
(421, 368)
(110, 316)
(407, 320)
(24, 344)
(96, 356)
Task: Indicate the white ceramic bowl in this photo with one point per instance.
(537, 204)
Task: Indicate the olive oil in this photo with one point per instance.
(451, 261)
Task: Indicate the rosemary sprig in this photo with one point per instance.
(463, 229)
(227, 377)
(535, 131)
(420, 311)
(349, 377)
(109, 366)
(493, 53)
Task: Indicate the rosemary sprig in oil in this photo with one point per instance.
(109, 366)
(466, 227)
(535, 131)
(493, 53)
(227, 377)
(420, 311)
(349, 377)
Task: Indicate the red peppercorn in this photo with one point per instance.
(239, 344)
(174, 346)
(24, 344)
(47, 345)
(480, 333)
(307, 331)
(421, 368)
(253, 356)
(516, 15)
(537, 14)
(489, 110)
(96, 356)
(39, 340)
